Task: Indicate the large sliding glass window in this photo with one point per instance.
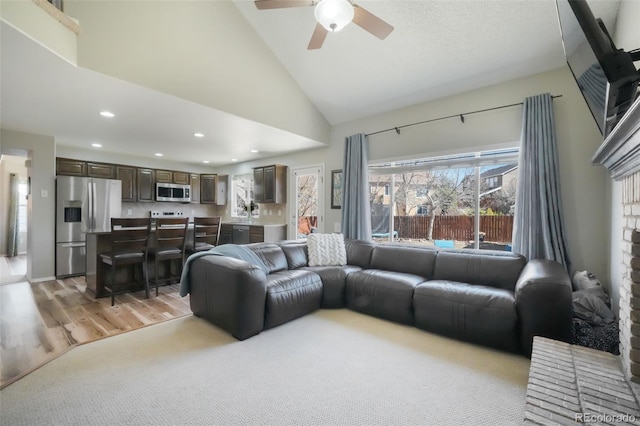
(464, 200)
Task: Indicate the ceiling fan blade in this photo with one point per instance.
(319, 34)
(371, 23)
(280, 4)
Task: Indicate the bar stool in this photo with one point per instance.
(170, 236)
(129, 246)
(206, 232)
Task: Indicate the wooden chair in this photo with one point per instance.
(206, 232)
(170, 238)
(129, 246)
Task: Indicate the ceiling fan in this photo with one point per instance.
(332, 16)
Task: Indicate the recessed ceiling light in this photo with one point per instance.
(159, 154)
(254, 151)
(234, 159)
(96, 145)
(205, 161)
(199, 135)
(108, 114)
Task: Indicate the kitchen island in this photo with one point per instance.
(98, 274)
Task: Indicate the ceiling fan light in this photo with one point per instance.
(334, 15)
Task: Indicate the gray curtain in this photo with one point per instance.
(356, 210)
(12, 225)
(538, 229)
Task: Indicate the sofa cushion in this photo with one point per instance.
(291, 294)
(333, 283)
(359, 252)
(326, 250)
(295, 252)
(271, 255)
(383, 294)
(482, 267)
(410, 260)
(479, 314)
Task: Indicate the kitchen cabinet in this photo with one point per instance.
(195, 187)
(207, 189)
(181, 178)
(101, 170)
(146, 185)
(226, 234)
(69, 167)
(270, 184)
(164, 176)
(213, 189)
(127, 175)
(245, 233)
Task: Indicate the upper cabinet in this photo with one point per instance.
(166, 176)
(127, 175)
(213, 189)
(270, 184)
(101, 170)
(139, 183)
(68, 167)
(146, 185)
(195, 187)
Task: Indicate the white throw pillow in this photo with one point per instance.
(326, 249)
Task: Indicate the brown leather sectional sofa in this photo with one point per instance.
(491, 298)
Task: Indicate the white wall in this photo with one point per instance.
(202, 51)
(584, 187)
(627, 37)
(41, 203)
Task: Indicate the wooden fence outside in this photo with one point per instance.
(460, 228)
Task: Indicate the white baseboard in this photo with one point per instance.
(38, 280)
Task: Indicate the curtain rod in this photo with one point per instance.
(397, 129)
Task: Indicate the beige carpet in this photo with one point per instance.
(332, 367)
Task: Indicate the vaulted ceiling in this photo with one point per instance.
(438, 48)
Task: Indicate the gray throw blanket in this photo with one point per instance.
(229, 250)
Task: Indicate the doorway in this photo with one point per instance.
(308, 201)
(13, 218)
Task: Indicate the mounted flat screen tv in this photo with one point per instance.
(606, 76)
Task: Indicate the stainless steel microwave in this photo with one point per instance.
(173, 192)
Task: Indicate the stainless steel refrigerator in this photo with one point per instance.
(83, 204)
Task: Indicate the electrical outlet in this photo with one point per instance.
(129, 212)
(279, 212)
(44, 193)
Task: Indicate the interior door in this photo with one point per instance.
(307, 191)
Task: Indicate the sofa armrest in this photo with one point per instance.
(543, 300)
(229, 293)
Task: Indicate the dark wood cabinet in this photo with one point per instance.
(164, 176)
(181, 178)
(69, 167)
(127, 175)
(258, 184)
(195, 187)
(208, 189)
(101, 170)
(256, 234)
(146, 185)
(270, 184)
(226, 233)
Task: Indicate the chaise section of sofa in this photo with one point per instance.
(491, 298)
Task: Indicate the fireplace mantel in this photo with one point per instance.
(620, 151)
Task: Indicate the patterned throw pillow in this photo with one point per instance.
(326, 249)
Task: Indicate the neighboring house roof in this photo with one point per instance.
(498, 171)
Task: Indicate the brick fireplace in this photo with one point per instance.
(630, 284)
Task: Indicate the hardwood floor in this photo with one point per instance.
(41, 321)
